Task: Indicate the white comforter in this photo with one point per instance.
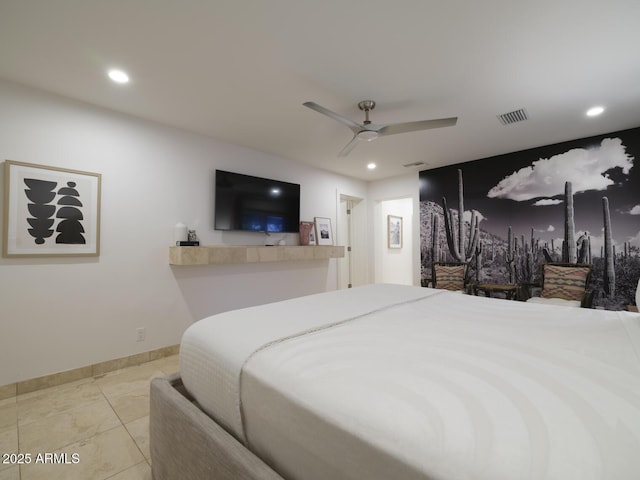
(384, 381)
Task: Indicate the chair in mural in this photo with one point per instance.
(564, 284)
(449, 276)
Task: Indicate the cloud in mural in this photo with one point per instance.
(635, 240)
(584, 168)
(635, 210)
(550, 228)
(547, 201)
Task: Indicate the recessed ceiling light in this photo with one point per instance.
(595, 111)
(118, 76)
(371, 166)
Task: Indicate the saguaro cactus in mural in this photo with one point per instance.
(609, 270)
(569, 253)
(584, 248)
(435, 238)
(478, 255)
(522, 258)
(509, 256)
(461, 251)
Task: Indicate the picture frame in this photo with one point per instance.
(50, 211)
(324, 232)
(306, 232)
(394, 231)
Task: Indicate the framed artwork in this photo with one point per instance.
(306, 228)
(50, 211)
(394, 231)
(324, 233)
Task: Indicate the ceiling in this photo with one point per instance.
(239, 70)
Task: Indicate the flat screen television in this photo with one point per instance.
(255, 204)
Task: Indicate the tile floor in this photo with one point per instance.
(101, 423)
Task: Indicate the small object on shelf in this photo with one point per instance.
(188, 243)
(191, 236)
(180, 233)
(305, 232)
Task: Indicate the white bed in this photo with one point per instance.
(389, 381)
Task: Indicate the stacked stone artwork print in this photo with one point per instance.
(41, 195)
(70, 227)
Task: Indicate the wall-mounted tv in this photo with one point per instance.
(256, 204)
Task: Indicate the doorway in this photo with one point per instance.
(351, 234)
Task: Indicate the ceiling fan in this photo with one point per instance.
(367, 131)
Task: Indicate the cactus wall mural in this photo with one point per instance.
(455, 228)
(576, 201)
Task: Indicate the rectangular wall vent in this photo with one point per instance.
(513, 117)
(414, 164)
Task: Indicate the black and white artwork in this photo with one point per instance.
(394, 231)
(324, 232)
(576, 202)
(50, 211)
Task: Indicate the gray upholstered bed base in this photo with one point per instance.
(186, 444)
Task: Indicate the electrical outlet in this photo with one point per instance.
(142, 333)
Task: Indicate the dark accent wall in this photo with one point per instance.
(550, 203)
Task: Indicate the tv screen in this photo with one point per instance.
(255, 204)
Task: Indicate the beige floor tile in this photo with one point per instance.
(80, 423)
(8, 413)
(13, 473)
(100, 457)
(139, 430)
(131, 406)
(53, 401)
(133, 380)
(141, 471)
(8, 444)
(105, 420)
(169, 365)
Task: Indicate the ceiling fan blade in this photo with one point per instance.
(319, 108)
(349, 146)
(419, 125)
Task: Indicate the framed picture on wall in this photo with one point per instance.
(394, 231)
(50, 211)
(324, 233)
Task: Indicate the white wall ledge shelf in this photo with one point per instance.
(227, 254)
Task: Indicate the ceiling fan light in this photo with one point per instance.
(367, 135)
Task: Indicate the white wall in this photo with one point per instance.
(402, 187)
(63, 313)
(394, 265)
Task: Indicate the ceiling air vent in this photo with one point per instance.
(414, 164)
(513, 117)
